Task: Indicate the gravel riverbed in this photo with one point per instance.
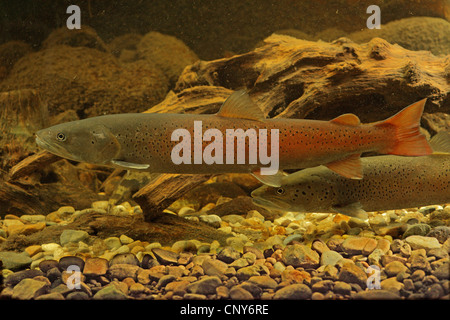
(401, 254)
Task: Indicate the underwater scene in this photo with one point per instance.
(227, 151)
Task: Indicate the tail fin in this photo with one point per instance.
(407, 139)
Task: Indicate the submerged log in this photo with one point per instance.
(289, 77)
(158, 194)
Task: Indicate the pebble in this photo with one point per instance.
(293, 292)
(68, 236)
(395, 267)
(206, 285)
(297, 256)
(110, 292)
(14, 260)
(28, 289)
(351, 273)
(421, 242)
(330, 258)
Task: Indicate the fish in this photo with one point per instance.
(390, 182)
(146, 142)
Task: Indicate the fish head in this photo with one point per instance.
(303, 191)
(82, 140)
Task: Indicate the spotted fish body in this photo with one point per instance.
(390, 182)
(143, 141)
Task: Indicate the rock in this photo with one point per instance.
(32, 250)
(14, 260)
(110, 292)
(124, 258)
(420, 31)
(246, 273)
(122, 271)
(68, 236)
(214, 267)
(28, 289)
(330, 257)
(391, 284)
(86, 63)
(441, 233)
(18, 276)
(84, 37)
(239, 293)
(166, 52)
(228, 254)
(323, 286)
(264, 282)
(375, 295)
(375, 257)
(211, 219)
(395, 267)
(293, 292)
(71, 262)
(26, 229)
(184, 246)
(442, 272)
(421, 242)
(46, 265)
(164, 280)
(112, 243)
(165, 257)
(418, 260)
(299, 255)
(350, 273)
(342, 288)
(294, 276)
(258, 253)
(419, 229)
(206, 285)
(125, 239)
(95, 267)
(359, 245)
(51, 296)
(77, 295)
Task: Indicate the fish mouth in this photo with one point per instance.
(55, 149)
(271, 204)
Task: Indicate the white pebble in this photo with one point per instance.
(185, 211)
(102, 204)
(50, 247)
(125, 239)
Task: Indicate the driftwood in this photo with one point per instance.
(289, 77)
(164, 190)
(42, 183)
(166, 229)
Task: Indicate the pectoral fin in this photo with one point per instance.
(273, 180)
(353, 210)
(130, 165)
(349, 167)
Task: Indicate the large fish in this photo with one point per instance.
(146, 141)
(390, 182)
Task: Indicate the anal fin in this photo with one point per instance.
(349, 167)
(353, 210)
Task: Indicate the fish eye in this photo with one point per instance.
(60, 136)
(280, 191)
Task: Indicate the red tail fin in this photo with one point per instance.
(407, 139)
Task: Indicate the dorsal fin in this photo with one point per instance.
(348, 119)
(240, 105)
(441, 142)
